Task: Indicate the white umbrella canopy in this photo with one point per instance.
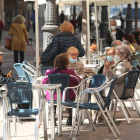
(98, 2)
(39, 1)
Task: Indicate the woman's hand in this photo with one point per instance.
(40, 59)
(107, 65)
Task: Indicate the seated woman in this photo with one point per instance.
(109, 57)
(61, 64)
(78, 66)
(122, 66)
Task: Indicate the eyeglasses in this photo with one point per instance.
(74, 54)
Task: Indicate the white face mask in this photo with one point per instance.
(117, 58)
(113, 27)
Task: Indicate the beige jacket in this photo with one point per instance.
(78, 67)
(117, 70)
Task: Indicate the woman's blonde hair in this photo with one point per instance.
(19, 19)
(71, 48)
(67, 27)
(113, 49)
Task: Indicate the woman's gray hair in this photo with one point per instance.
(124, 49)
(19, 19)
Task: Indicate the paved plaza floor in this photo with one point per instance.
(25, 131)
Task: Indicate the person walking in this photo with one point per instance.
(1, 29)
(19, 37)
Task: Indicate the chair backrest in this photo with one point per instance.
(64, 79)
(20, 93)
(30, 73)
(26, 63)
(131, 81)
(97, 81)
(44, 68)
(20, 71)
(59, 78)
(108, 98)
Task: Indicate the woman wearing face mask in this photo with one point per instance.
(122, 65)
(114, 33)
(78, 66)
(109, 58)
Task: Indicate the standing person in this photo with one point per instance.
(114, 34)
(1, 29)
(19, 35)
(33, 20)
(62, 17)
(61, 43)
(79, 21)
(122, 20)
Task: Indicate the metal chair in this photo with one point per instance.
(20, 93)
(44, 68)
(21, 74)
(92, 81)
(63, 79)
(130, 83)
(100, 105)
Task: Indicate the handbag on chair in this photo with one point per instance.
(8, 43)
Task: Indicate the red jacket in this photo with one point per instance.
(1, 25)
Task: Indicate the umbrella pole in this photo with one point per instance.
(37, 38)
(96, 22)
(88, 31)
(109, 6)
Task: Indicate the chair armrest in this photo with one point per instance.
(73, 88)
(39, 79)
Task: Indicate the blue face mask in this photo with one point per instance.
(72, 60)
(110, 58)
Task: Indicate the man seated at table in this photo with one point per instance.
(4, 79)
(61, 64)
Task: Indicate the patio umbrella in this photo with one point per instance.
(37, 2)
(97, 3)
